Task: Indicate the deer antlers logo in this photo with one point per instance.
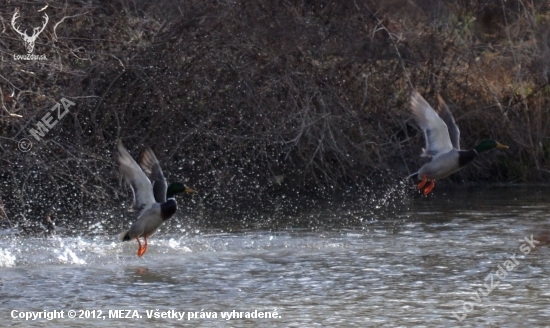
(29, 40)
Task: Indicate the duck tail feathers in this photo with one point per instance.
(125, 236)
(413, 176)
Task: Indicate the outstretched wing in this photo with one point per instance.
(435, 130)
(150, 165)
(445, 113)
(136, 179)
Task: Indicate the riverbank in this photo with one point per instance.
(253, 102)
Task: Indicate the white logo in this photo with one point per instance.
(29, 40)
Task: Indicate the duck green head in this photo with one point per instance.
(488, 145)
(176, 188)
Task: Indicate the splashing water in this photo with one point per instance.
(6, 258)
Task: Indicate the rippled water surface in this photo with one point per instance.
(414, 266)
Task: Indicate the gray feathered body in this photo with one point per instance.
(150, 220)
(147, 224)
(445, 164)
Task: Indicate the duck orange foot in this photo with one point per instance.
(426, 185)
(142, 248)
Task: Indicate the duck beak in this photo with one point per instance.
(189, 190)
(501, 146)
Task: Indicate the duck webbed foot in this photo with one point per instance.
(142, 248)
(429, 187)
(423, 182)
(426, 184)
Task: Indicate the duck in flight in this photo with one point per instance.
(153, 199)
(442, 143)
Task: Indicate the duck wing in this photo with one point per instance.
(150, 165)
(445, 113)
(136, 179)
(435, 130)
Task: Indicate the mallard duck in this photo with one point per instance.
(442, 143)
(152, 198)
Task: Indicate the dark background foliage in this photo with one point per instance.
(263, 105)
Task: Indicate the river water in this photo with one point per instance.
(414, 266)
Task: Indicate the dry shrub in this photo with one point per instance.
(256, 103)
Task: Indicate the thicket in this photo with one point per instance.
(257, 102)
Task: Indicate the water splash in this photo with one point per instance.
(6, 259)
(69, 257)
(66, 253)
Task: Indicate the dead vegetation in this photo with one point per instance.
(250, 102)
